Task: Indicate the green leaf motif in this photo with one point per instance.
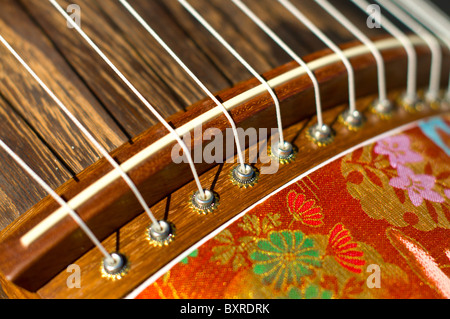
(185, 260)
(284, 258)
(310, 292)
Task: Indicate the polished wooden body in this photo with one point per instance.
(116, 116)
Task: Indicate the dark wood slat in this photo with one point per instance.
(213, 13)
(37, 107)
(250, 41)
(145, 64)
(150, 68)
(18, 191)
(156, 57)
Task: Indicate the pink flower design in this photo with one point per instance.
(419, 187)
(397, 148)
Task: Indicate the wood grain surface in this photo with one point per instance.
(89, 89)
(38, 131)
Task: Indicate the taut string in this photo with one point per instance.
(83, 130)
(383, 105)
(353, 118)
(137, 93)
(219, 38)
(59, 200)
(321, 131)
(432, 18)
(411, 85)
(436, 53)
(147, 27)
(89, 192)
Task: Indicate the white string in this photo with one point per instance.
(136, 92)
(351, 75)
(192, 75)
(436, 53)
(242, 61)
(382, 91)
(58, 199)
(411, 86)
(83, 130)
(289, 51)
(432, 12)
(432, 18)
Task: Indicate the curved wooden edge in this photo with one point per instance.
(146, 260)
(31, 267)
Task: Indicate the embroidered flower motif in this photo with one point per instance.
(397, 148)
(419, 186)
(304, 211)
(284, 258)
(344, 249)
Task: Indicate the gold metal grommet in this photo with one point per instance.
(116, 268)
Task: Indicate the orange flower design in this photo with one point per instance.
(303, 210)
(344, 249)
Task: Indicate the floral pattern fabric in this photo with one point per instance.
(373, 224)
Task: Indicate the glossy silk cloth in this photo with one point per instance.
(374, 223)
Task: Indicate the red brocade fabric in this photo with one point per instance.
(373, 224)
